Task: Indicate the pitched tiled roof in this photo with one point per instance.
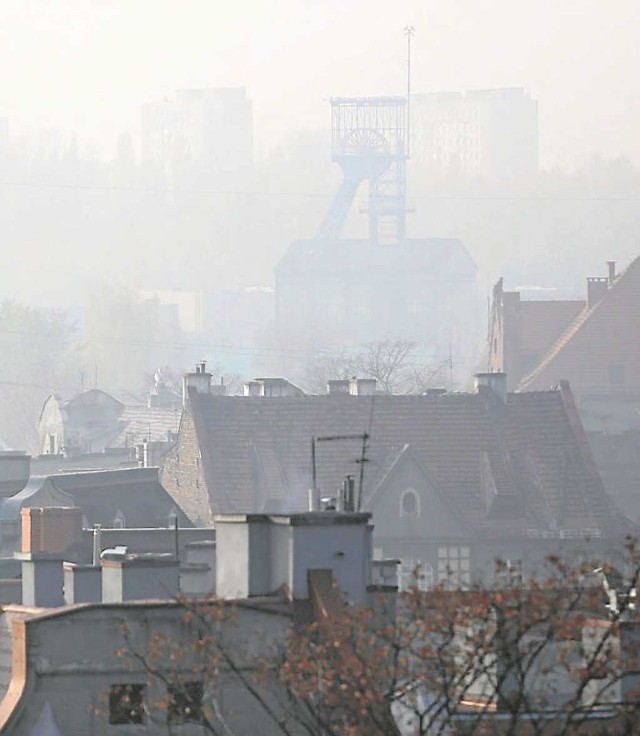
(135, 492)
(255, 449)
(597, 334)
(543, 321)
(137, 423)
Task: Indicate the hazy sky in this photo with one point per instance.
(88, 64)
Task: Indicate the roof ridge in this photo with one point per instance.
(573, 329)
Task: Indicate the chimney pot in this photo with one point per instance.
(612, 271)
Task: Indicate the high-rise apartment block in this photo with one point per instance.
(208, 131)
(491, 133)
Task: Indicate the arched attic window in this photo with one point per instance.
(410, 503)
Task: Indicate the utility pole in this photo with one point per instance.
(409, 31)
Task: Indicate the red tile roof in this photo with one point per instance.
(543, 321)
(608, 333)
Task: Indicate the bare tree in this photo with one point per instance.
(393, 363)
(541, 658)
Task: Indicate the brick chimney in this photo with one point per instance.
(50, 529)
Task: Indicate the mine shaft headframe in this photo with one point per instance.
(368, 127)
(368, 141)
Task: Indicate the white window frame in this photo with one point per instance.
(454, 566)
(407, 578)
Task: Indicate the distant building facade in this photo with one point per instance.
(595, 345)
(492, 133)
(352, 292)
(599, 351)
(94, 421)
(522, 331)
(205, 131)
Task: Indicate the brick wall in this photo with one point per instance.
(52, 529)
(182, 472)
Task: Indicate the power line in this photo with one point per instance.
(318, 195)
(174, 344)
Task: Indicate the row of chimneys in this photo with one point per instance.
(200, 382)
(352, 386)
(256, 554)
(48, 581)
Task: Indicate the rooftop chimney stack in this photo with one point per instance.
(362, 386)
(139, 577)
(52, 529)
(257, 554)
(338, 386)
(596, 288)
(612, 272)
(199, 381)
(42, 579)
(495, 382)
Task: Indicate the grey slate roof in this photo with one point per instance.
(135, 492)
(529, 453)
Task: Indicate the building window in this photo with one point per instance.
(509, 574)
(409, 503)
(415, 574)
(454, 569)
(185, 702)
(126, 704)
(616, 374)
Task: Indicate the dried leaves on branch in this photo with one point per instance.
(544, 658)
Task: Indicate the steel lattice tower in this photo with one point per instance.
(368, 141)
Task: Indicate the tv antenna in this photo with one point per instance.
(364, 438)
